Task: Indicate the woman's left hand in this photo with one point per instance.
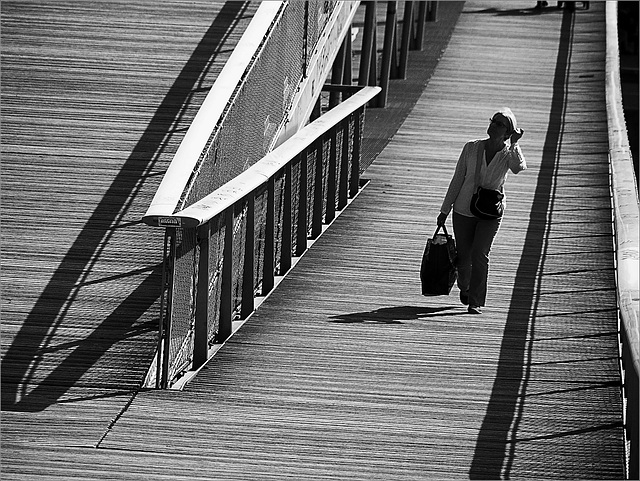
(516, 135)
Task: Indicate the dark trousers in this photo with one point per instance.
(474, 238)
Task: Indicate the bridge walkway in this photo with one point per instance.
(347, 372)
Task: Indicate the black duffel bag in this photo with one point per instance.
(438, 272)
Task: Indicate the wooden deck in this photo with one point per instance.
(345, 371)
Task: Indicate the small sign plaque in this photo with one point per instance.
(169, 222)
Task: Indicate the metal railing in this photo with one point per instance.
(262, 96)
(625, 219)
(252, 108)
(248, 230)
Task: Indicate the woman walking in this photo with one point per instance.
(494, 157)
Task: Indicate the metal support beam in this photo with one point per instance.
(226, 299)
(432, 11)
(268, 268)
(331, 184)
(407, 23)
(286, 248)
(418, 41)
(249, 259)
(355, 155)
(316, 219)
(387, 52)
(301, 228)
(201, 331)
(337, 73)
(367, 56)
(343, 185)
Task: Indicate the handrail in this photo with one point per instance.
(259, 173)
(195, 158)
(626, 216)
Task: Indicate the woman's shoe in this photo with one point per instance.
(474, 310)
(464, 298)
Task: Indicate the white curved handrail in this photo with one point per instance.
(212, 111)
(208, 116)
(259, 173)
(625, 216)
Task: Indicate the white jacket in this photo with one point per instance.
(492, 176)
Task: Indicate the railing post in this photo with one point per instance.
(367, 57)
(317, 110)
(249, 259)
(331, 178)
(301, 228)
(316, 219)
(418, 41)
(226, 300)
(355, 154)
(373, 65)
(343, 186)
(337, 74)
(164, 339)
(387, 52)
(286, 248)
(201, 332)
(407, 23)
(347, 78)
(432, 11)
(269, 241)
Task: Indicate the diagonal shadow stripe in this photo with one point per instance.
(492, 451)
(23, 357)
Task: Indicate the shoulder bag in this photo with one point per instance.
(485, 203)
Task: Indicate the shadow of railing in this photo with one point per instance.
(21, 391)
(493, 448)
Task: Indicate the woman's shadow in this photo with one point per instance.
(393, 315)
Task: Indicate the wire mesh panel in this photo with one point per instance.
(179, 341)
(261, 103)
(214, 283)
(296, 168)
(279, 191)
(260, 229)
(239, 238)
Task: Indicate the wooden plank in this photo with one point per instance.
(346, 371)
(358, 373)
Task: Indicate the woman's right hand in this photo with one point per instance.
(442, 218)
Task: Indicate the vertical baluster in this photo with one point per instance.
(331, 181)
(249, 260)
(347, 79)
(343, 186)
(269, 241)
(355, 154)
(367, 58)
(164, 350)
(337, 74)
(387, 53)
(418, 41)
(405, 43)
(432, 11)
(226, 300)
(301, 228)
(318, 207)
(200, 340)
(285, 250)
